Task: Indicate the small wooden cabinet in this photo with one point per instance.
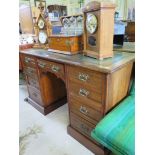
(92, 87)
(65, 44)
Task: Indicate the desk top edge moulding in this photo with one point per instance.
(98, 29)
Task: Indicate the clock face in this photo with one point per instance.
(41, 23)
(91, 23)
(42, 37)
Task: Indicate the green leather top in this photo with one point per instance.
(116, 130)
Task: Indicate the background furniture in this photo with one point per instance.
(116, 130)
(127, 47)
(55, 12)
(93, 87)
(25, 18)
(130, 31)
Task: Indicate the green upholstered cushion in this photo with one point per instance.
(116, 130)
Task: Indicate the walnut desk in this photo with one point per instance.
(90, 87)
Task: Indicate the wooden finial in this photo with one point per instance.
(41, 6)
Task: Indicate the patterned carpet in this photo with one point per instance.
(45, 135)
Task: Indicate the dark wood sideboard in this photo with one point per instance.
(90, 87)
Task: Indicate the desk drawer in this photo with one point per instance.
(84, 92)
(81, 125)
(33, 82)
(86, 78)
(35, 95)
(85, 111)
(29, 61)
(31, 72)
(53, 67)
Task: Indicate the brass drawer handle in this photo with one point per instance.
(30, 72)
(42, 65)
(29, 60)
(83, 92)
(83, 110)
(55, 68)
(83, 77)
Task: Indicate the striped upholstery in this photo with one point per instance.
(116, 130)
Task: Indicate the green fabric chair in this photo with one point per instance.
(116, 130)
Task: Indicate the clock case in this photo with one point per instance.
(99, 44)
(47, 29)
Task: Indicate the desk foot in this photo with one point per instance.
(50, 108)
(97, 150)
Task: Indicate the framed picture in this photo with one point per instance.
(37, 3)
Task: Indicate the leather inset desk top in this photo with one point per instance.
(107, 65)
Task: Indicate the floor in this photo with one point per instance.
(45, 135)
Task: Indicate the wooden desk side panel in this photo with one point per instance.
(117, 86)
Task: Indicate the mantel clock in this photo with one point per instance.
(42, 29)
(98, 29)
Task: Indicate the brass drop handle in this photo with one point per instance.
(55, 68)
(83, 110)
(83, 92)
(42, 65)
(27, 60)
(29, 70)
(83, 77)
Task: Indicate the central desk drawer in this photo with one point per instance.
(53, 67)
(81, 125)
(84, 92)
(86, 77)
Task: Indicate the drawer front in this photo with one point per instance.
(33, 82)
(35, 95)
(81, 125)
(53, 67)
(32, 72)
(29, 61)
(88, 78)
(85, 111)
(84, 92)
